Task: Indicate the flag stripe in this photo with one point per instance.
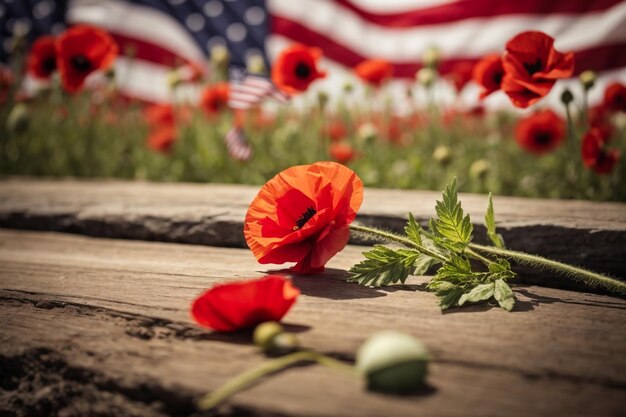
(598, 58)
(135, 48)
(467, 38)
(468, 9)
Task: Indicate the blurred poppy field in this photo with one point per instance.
(77, 123)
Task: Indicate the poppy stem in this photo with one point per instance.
(247, 378)
(590, 278)
(398, 239)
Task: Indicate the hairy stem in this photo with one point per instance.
(590, 278)
(398, 239)
(247, 378)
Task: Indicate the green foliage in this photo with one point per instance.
(384, 266)
(452, 228)
(456, 283)
(490, 222)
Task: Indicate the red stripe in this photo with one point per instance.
(598, 58)
(468, 9)
(147, 51)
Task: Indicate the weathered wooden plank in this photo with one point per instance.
(584, 233)
(104, 324)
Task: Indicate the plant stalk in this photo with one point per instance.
(247, 378)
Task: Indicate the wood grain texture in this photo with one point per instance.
(583, 233)
(101, 327)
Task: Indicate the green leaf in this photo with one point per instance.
(457, 270)
(500, 269)
(490, 222)
(413, 230)
(440, 287)
(451, 298)
(422, 263)
(480, 292)
(503, 295)
(453, 228)
(384, 266)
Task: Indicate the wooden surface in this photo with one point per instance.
(101, 327)
(578, 232)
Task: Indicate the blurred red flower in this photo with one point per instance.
(460, 75)
(615, 97)
(488, 73)
(374, 71)
(81, 50)
(596, 156)
(41, 61)
(335, 130)
(540, 132)
(242, 305)
(342, 152)
(162, 137)
(159, 114)
(532, 66)
(296, 68)
(6, 80)
(303, 214)
(214, 98)
(600, 118)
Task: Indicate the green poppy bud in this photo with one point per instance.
(443, 155)
(567, 96)
(393, 362)
(348, 87)
(255, 64)
(588, 79)
(479, 169)
(18, 119)
(431, 57)
(271, 337)
(322, 99)
(426, 76)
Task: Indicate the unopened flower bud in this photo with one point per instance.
(479, 169)
(588, 79)
(567, 97)
(393, 362)
(431, 57)
(443, 155)
(348, 87)
(272, 338)
(220, 56)
(367, 132)
(173, 79)
(322, 99)
(255, 64)
(426, 76)
(18, 119)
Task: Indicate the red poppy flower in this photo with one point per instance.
(596, 155)
(162, 138)
(214, 98)
(488, 73)
(81, 50)
(342, 152)
(532, 66)
(156, 114)
(303, 214)
(6, 80)
(241, 305)
(296, 68)
(615, 97)
(460, 75)
(335, 130)
(540, 132)
(41, 61)
(374, 71)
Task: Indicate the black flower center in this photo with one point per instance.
(497, 78)
(533, 67)
(543, 138)
(303, 71)
(306, 216)
(49, 65)
(80, 63)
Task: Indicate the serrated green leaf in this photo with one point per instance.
(440, 287)
(413, 230)
(504, 295)
(452, 228)
(490, 222)
(451, 298)
(422, 263)
(384, 266)
(500, 269)
(480, 292)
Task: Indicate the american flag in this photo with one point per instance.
(158, 35)
(248, 90)
(237, 144)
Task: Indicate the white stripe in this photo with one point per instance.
(395, 6)
(138, 22)
(148, 81)
(467, 38)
